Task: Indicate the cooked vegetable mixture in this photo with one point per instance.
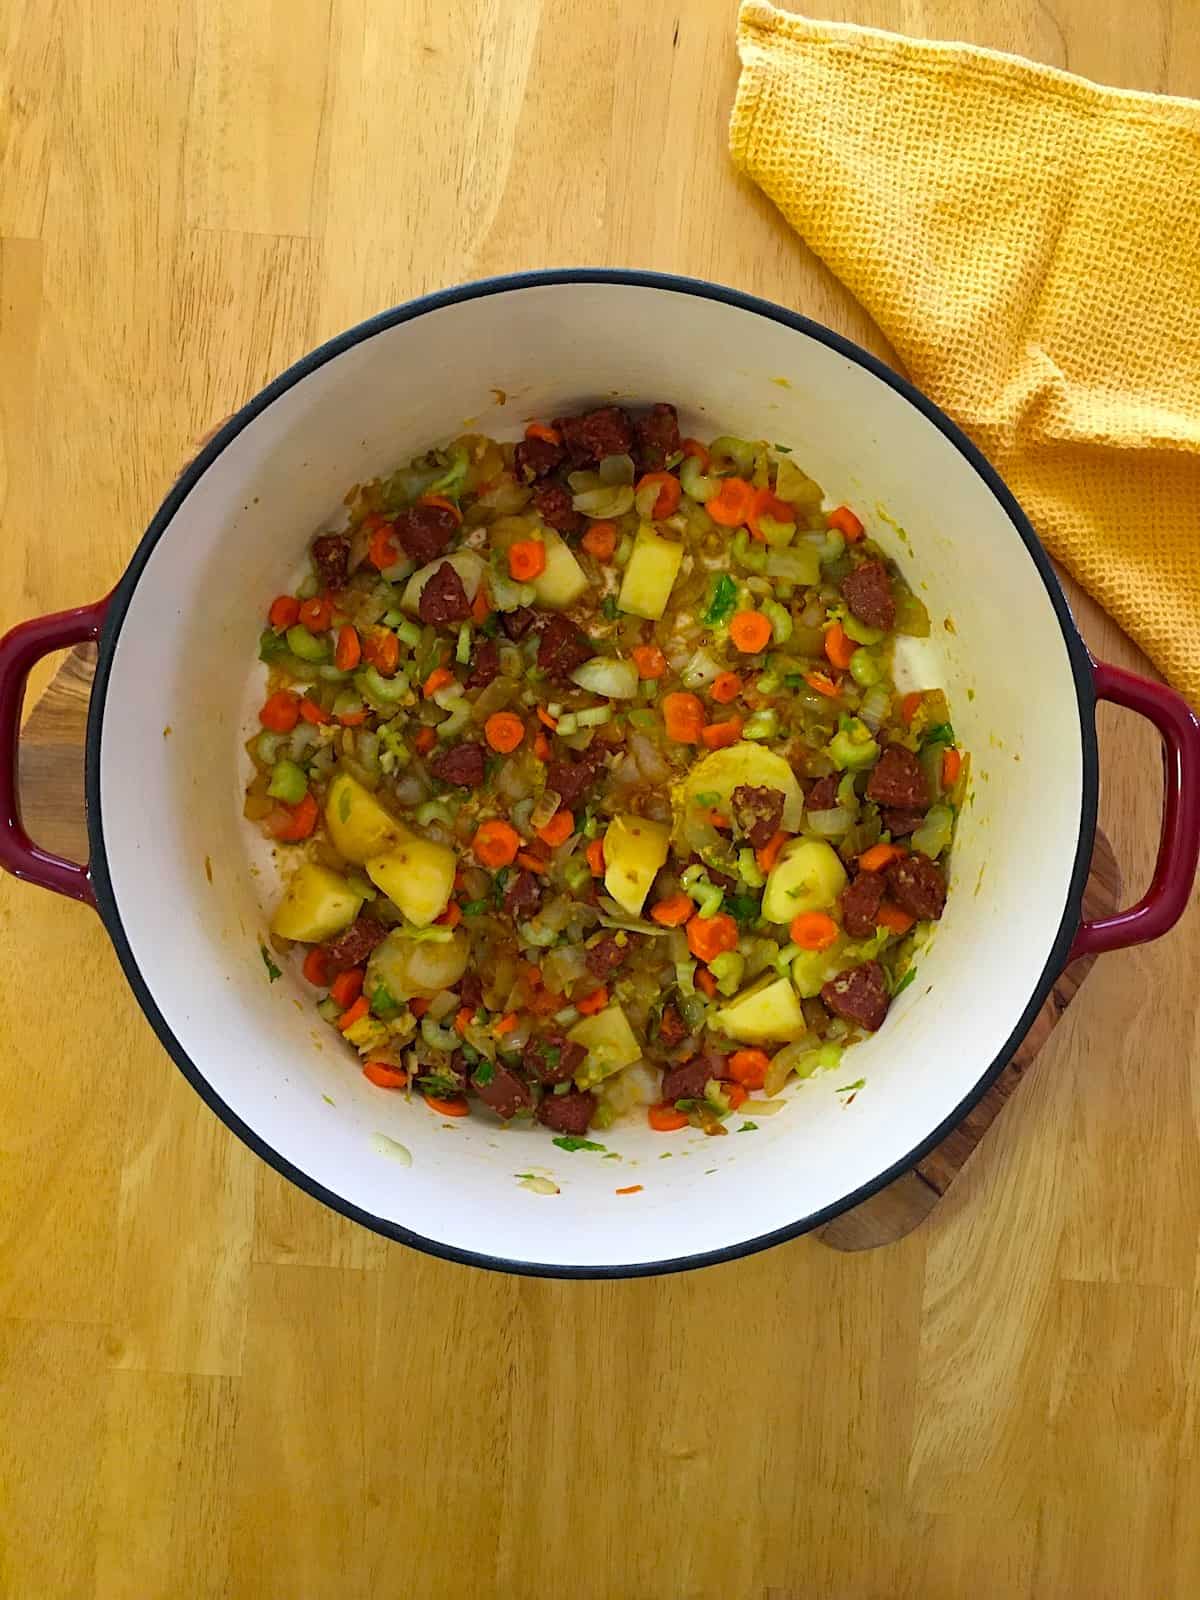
(595, 787)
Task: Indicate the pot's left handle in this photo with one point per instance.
(20, 650)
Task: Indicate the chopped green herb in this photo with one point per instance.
(707, 797)
(748, 1127)
(941, 733)
(743, 908)
(382, 1002)
(484, 1073)
(784, 449)
(851, 1088)
(437, 1084)
(608, 610)
(722, 602)
(271, 644)
(273, 971)
(611, 1156)
(569, 1142)
(476, 908)
(904, 982)
(551, 1054)
(522, 1175)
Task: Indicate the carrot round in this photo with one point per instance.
(539, 430)
(736, 1095)
(951, 767)
(383, 551)
(385, 1076)
(316, 968)
(749, 1068)
(348, 652)
(442, 504)
(462, 1020)
(750, 631)
(822, 683)
(293, 823)
(504, 731)
(839, 646)
(846, 523)
(595, 857)
(674, 911)
(891, 917)
(880, 856)
(766, 504)
(526, 559)
(382, 651)
(447, 1108)
(353, 1013)
(424, 740)
(649, 660)
(437, 679)
(347, 986)
(693, 447)
(316, 614)
(591, 1003)
(558, 830)
(496, 843)
(766, 856)
(312, 712)
(710, 937)
(665, 1119)
(726, 687)
(284, 612)
(600, 540)
(532, 863)
(814, 930)
(280, 711)
(706, 981)
(541, 746)
(506, 1023)
(909, 706)
(683, 716)
(451, 917)
(668, 493)
(732, 504)
(720, 734)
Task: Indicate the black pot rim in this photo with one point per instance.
(1081, 668)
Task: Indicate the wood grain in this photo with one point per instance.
(209, 1387)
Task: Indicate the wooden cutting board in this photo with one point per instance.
(52, 807)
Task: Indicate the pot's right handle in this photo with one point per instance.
(20, 650)
(1163, 903)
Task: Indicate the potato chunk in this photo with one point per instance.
(766, 1013)
(650, 575)
(417, 876)
(634, 850)
(807, 876)
(358, 825)
(316, 904)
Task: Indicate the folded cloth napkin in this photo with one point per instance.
(1029, 242)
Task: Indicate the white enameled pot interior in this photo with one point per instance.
(192, 887)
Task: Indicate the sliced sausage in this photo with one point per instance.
(859, 995)
(687, 1082)
(443, 599)
(501, 1089)
(462, 764)
(517, 624)
(861, 901)
(553, 504)
(757, 810)
(567, 1113)
(537, 458)
(823, 794)
(918, 886)
(562, 648)
(423, 532)
(657, 437)
(571, 780)
(470, 990)
(331, 558)
(672, 1029)
(868, 593)
(553, 1059)
(523, 896)
(606, 431)
(485, 665)
(897, 780)
(605, 957)
(353, 946)
(901, 823)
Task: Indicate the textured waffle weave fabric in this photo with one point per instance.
(1029, 243)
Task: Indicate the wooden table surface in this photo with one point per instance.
(212, 1387)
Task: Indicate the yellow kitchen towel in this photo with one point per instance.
(1029, 243)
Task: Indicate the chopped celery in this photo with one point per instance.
(288, 783)
(266, 747)
(847, 794)
(309, 588)
(306, 645)
(455, 475)
(711, 901)
(864, 669)
(391, 736)
(328, 1009)
(833, 548)
(568, 724)
(933, 836)
(375, 687)
(433, 811)
(748, 869)
(460, 715)
(911, 616)
(642, 719)
(577, 875)
(798, 564)
(762, 724)
(408, 633)
(593, 717)
(777, 534)
(853, 747)
(685, 972)
(694, 482)
(827, 1059)
(271, 645)
(623, 551)
(347, 704)
(462, 650)
(769, 683)
(859, 632)
(753, 558)
(727, 969)
(780, 619)
(728, 454)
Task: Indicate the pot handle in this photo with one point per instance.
(1164, 902)
(20, 649)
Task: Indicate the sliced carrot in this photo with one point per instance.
(706, 981)
(600, 540)
(951, 767)
(839, 646)
(461, 1020)
(353, 1014)
(418, 1005)
(383, 551)
(559, 829)
(526, 559)
(766, 856)
(348, 652)
(725, 688)
(674, 911)
(496, 843)
(719, 734)
(683, 716)
(293, 823)
(595, 857)
(284, 612)
(909, 706)
(312, 712)
(541, 746)
(891, 917)
(749, 1068)
(591, 1003)
(546, 719)
(822, 683)
(504, 731)
(347, 986)
(437, 679)
(750, 632)
(665, 1119)
(481, 606)
(451, 917)
(384, 1076)
(539, 430)
(352, 719)
(382, 650)
(532, 863)
(693, 447)
(846, 523)
(732, 503)
(545, 1003)
(668, 493)
(649, 660)
(632, 1188)
(714, 818)
(316, 968)
(442, 504)
(448, 1108)
(736, 1095)
(424, 740)
(880, 856)
(770, 505)
(316, 614)
(709, 937)
(814, 930)
(506, 1023)
(280, 711)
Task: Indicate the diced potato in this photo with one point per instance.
(564, 580)
(610, 1045)
(769, 1012)
(316, 904)
(634, 850)
(406, 966)
(744, 763)
(807, 876)
(358, 825)
(650, 575)
(417, 876)
(469, 566)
